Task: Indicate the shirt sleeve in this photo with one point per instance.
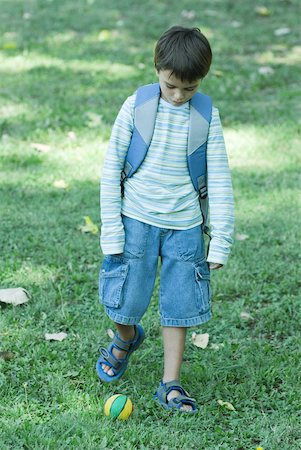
(112, 231)
(220, 193)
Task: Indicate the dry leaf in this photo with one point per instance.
(188, 14)
(104, 35)
(55, 336)
(245, 316)
(72, 136)
(9, 45)
(110, 333)
(60, 184)
(262, 11)
(14, 296)
(282, 31)
(218, 73)
(235, 24)
(266, 70)
(200, 340)
(241, 237)
(7, 356)
(226, 405)
(217, 346)
(89, 227)
(94, 119)
(42, 148)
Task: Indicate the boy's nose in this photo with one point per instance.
(178, 96)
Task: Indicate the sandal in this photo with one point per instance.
(177, 402)
(118, 365)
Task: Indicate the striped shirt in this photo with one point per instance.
(161, 192)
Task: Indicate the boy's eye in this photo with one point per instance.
(190, 89)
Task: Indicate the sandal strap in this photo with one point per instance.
(110, 358)
(183, 399)
(123, 345)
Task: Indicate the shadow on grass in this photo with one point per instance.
(93, 35)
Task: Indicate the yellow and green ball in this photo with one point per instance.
(118, 406)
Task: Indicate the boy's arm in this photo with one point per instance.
(112, 231)
(221, 204)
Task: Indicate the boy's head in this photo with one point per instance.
(182, 59)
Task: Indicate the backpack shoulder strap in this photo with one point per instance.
(200, 118)
(145, 111)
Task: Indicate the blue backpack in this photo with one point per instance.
(145, 110)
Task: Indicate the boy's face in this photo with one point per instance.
(175, 91)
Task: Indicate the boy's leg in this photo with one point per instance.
(174, 345)
(126, 333)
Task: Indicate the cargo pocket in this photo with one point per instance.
(202, 278)
(112, 277)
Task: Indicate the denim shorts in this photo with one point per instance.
(127, 280)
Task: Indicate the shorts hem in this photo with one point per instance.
(124, 320)
(191, 322)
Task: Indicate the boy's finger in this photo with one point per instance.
(213, 266)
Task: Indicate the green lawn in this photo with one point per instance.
(65, 69)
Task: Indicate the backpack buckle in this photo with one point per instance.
(203, 193)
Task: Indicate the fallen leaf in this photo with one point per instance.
(262, 11)
(72, 136)
(55, 336)
(217, 346)
(245, 316)
(282, 31)
(89, 226)
(104, 35)
(266, 70)
(9, 45)
(110, 333)
(7, 356)
(42, 148)
(94, 119)
(241, 237)
(227, 405)
(218, 73)
(141, 66)
(200, 340)
(235, 24)
(60, 184)
(14, 296)
(188, 14)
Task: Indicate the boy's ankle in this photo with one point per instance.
(126, 332)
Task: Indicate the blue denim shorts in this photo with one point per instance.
(127, 280)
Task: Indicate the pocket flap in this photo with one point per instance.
(202, 271)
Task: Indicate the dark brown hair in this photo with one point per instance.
(186, 52)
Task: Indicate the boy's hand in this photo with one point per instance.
(214, 266)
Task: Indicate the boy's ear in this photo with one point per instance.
(157, 72)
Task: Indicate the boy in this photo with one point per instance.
(158, 214)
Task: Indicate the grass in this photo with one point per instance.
(66, 67)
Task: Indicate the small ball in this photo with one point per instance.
(118, 406)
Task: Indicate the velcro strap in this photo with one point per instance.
(184, 399)
(120, 344)
(110, 358)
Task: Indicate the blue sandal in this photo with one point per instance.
(177, 402)
(118, 365)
